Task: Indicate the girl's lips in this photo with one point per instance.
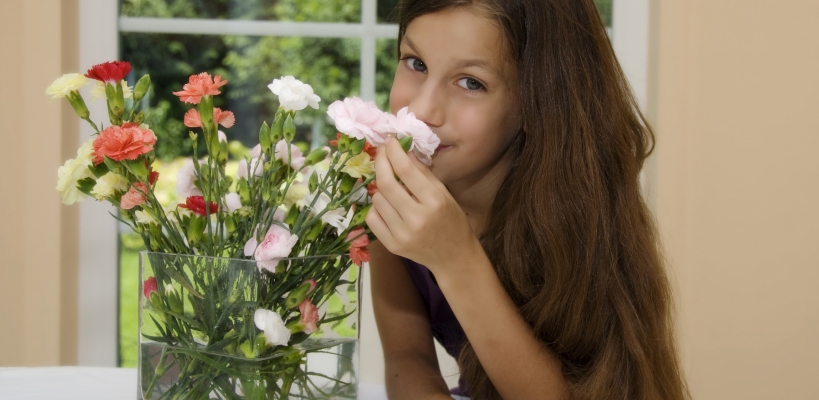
(442, 147)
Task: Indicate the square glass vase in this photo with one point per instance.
(202, 324)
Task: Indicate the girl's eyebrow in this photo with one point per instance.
(479, 63)
(482, 64)
(409, 43)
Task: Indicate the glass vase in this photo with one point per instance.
(199, 337)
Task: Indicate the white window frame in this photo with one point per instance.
(100, 25)
(367, 30)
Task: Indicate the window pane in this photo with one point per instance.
(266, 10)
(387, 11)
(386, 58)
(249, 64)
(605, 11)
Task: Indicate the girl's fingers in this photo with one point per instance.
(393, 191)
(426, 172)
(389, 215)
(414, 179)
(379, 227)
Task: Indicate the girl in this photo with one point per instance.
(526, 249)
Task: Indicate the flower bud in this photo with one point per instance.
(314, 232)
(289, 128)
(246, 349)
(196, 227)
(315, 156)
(276, 130)
(360, 216)
(261, 343)
(312, 183)
(406, 143)
(174, 302)
(230, 223)
(344, 143)
(292, 215)
(347, 183)
(296, 326)
(264, 137)
(298, 294)
(357, 146)
(141, 87)
(244, 191)
(139, 118)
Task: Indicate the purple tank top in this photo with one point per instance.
(445, 327)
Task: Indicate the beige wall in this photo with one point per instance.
(38, 250)
(734, 95)
(735, 100)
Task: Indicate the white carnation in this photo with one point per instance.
(294, 95)
(275, 332)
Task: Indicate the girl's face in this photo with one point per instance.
(453, 75)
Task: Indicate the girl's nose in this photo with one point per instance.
(429, 102)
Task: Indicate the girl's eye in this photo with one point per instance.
(470, 84)
(416, 64)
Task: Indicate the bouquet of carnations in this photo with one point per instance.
(247, 277)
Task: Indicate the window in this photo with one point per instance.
(340, 47)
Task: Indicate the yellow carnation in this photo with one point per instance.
(359, 166)
(67, 177)
(108, 185)
(73, 171)
(66, 84)
(295, 195)
(98, 91)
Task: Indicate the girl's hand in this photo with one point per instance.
(417, 219)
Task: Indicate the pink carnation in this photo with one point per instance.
(199, 86)
(127, 142)
(361, 120)
(296, 156)
(135, 196)
(277, 244)
(358, 246)
(192, 118)
(424, 141)
(309, 316)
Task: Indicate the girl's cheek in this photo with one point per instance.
(403, 90)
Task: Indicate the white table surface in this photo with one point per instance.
(90, 383)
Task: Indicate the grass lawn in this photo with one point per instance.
(130, 246)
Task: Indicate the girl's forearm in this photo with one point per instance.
(410, 376)
(519, 365)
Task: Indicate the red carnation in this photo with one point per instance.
(372, 189)
(149, 286)
(153, 176)
(371, 150)
(197, 205)
(334, 143)
(109, 72)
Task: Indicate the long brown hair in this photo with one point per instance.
(578, 252)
